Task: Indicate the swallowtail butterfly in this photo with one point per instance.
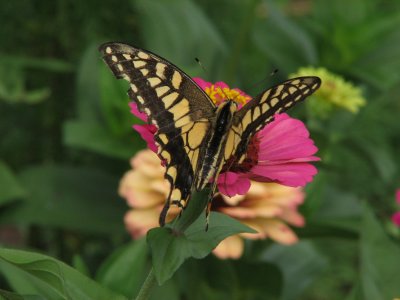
(195, 137)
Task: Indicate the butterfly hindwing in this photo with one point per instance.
(261, 110)
(181, 111)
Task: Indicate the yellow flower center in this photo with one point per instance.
(219, 95)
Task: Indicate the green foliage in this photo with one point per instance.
(124, 271)
(11, 188)
(37, 274)
(104, 123)
(297, 274)
(66, 139)
(64, 196)
(378, 274)
(170, 248)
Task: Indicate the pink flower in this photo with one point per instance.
(281, 152)
(396, 218)
(146, 131)
(220, 91)
(396, 215)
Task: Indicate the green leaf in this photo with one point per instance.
(177, 39)
(380, 158)
(104, 123)
(79, 264)
(37, 274)
(213, 278)
(259, 280)
(92, 136)
(356, 293)
(125, 270)
(380, 261)
(290, 47)
(192, 212)
(88, 85)
(169, 290)
(76, 198)
(300, 264)
(43, 63)
(10, 187)
(209, 278)
(170, 249)
(15, 296)
(115, 103)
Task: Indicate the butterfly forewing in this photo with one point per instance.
(181, 111)
(261, 110)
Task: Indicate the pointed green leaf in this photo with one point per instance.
(177, 39)
(300, 264)
(170, 248)
(15, 296)
(37, 274)
(380, 261)
(125, 270)
(10, 187)
(77, 198)
(94, 137)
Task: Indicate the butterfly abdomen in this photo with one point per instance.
(212, 163)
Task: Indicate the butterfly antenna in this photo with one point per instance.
(208, 75)
(271, 74)
(201, 66)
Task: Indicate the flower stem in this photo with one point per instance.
(147, 286)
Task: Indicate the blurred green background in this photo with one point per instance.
(66, 139)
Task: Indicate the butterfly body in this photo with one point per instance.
(210, 164)
(196, 139)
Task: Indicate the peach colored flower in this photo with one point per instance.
(231, 247)
(268, 208)
(145, 190)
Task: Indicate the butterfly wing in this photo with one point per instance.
(261, 110)
(180, 109)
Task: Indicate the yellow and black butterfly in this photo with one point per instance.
(195, 137)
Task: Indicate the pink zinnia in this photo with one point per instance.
(281, 152)
(396, 215)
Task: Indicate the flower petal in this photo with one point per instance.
(230, 184)
(293, 217)
(147, 133)
(231, 247)
(139, 221)
(243, 212)
(284, 153)
(278, 231)
(396, 218)
(285, 139)
(221, 85)
(202, 83)
(135, 111)
(148, 163)
(136, 189)
(290, 174)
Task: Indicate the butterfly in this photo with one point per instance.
(196, 138)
